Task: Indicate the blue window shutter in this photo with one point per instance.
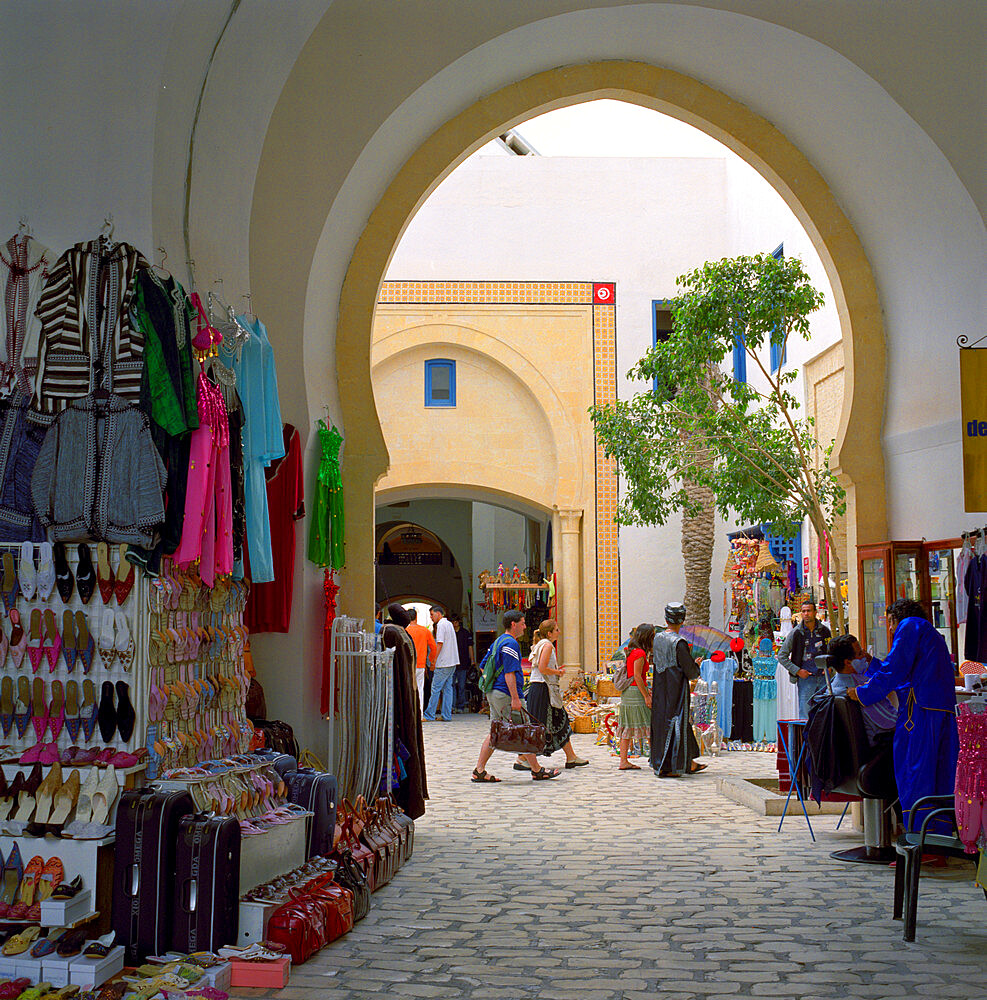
(440, 382)
(739, 360)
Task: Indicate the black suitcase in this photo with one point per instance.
(315, 791)
(207, 883)
(281, 762)
(144, 869)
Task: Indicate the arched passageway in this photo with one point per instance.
(737, 127)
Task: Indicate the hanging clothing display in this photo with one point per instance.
(86, 340)
(962, 565)
(326, 540)
(269, 604)
(20, 442)
(107, 444)
(257, 384)
(721, 670)
(226, 380)
(765, 694)
(24, 269)
(207, 534)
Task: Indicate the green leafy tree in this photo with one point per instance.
(701, 435)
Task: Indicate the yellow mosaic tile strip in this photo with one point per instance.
(607, 555)
(468, 292)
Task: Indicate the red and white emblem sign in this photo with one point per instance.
(604, 293)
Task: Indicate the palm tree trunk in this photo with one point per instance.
(697, 555)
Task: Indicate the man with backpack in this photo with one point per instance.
(502, 678)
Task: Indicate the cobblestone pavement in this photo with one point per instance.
(608, 885)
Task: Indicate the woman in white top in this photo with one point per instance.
(544, 698)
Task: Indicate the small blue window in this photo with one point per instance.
(661, 325)
(739, 359)
(778, 352)
(440, 382)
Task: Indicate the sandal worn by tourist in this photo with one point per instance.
(545, 773)
(483, 778)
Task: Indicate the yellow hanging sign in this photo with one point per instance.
(973, 406)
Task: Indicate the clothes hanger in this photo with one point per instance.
(24, 228)
(161, 267)
(106, 230)
(249, 311)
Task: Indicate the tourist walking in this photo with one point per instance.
(545, 697)
(425, 654)
(673, 743)
(634, 719)
(446, 661)
(505, 698)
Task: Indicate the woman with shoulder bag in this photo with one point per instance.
(545, 697)
(634, 720)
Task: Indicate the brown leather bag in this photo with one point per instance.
(517, 737)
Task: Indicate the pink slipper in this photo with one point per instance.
(49, 754)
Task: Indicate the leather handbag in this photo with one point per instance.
(517, 737)
(350, 876)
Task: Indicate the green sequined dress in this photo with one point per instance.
(326, 541)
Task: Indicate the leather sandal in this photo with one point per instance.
(483, 778)
(545, 774)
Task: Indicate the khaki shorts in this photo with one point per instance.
(500, 706)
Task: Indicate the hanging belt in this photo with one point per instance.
(912, 704)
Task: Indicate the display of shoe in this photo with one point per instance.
(85, 574)
(52, 873)
(46, 571)
(10, 880)
(56, 710)
(125, 576)
(104, 573)
(52, 640)
(73, 720)
(107, 715)
(9, 584)
(35, 643)
(27, 575)
(6, 704)
(64, 580)
(22, 707)
(124, 642)
(43, 800)
(89, 710)
(105, 796)
(17, 643)
(85, 645)
(106, 638)
(39, 710)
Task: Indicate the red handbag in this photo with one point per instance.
(299, 927)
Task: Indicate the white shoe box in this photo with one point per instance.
(29, 968)
(8, 966)
(252, 928)
(218, 977)
(92, 972)
(59, 912)
(55, 969)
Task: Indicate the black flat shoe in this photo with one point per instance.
(107, 715)
(521, 767)
(578, 762)
(126, 716)
(85, 574)
(64, 580)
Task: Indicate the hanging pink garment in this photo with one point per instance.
(971, 777)
(207, 534)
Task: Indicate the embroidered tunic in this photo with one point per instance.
(107, 444)
(87, 341)
(24, 266)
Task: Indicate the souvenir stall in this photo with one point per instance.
(145, 479)
(505, 590)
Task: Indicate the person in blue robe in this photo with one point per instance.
(925, 739)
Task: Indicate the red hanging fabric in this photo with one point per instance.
(330, 589)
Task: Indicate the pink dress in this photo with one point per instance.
(207, 534)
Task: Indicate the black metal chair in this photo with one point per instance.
(912, 845)
(872, 779)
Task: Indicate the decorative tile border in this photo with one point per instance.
(488, 292)
(607, 548)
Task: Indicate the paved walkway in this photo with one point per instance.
(608, 885)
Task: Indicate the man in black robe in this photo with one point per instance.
(673, 743)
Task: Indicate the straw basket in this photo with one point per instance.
(583, 724)
(605, 688)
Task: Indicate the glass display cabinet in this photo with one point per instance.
(918, 571)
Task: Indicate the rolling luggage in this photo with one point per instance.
(315, 791)
(207, 883)
(281, 762)
(144, 867)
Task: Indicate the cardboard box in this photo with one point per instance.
(29, 968)
(266, 974)
(252, 926)
(218, 977)
(8, 966)
(60, 912)
(92, 972)
(55, 969)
